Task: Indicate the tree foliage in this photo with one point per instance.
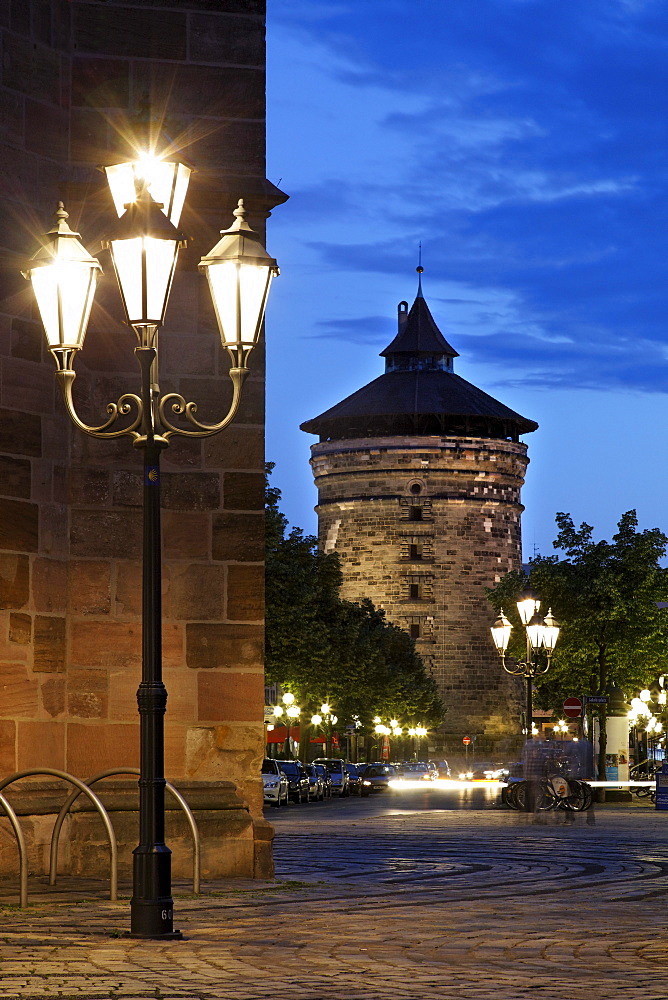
(322, 648)
(605, 596)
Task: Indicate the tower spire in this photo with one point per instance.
(420, 271)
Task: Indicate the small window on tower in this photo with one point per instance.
(414, 513)
(414, 631)
(415, 552)
(414, 591)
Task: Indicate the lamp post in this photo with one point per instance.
(561, 728)
(420, 732)
(292, 711)
(144, 245)
(329, 721)
(541, 634)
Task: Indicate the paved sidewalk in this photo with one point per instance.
(376, 903)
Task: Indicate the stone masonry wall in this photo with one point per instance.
(422, 526)
(74, 74)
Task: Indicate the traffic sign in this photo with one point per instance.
(466, 740)
(573, 708)
(596, 699)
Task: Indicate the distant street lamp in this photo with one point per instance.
(420, 732)
(292, 712)
(144, 243)
(561, 728)
(541, 634)
(328, 721)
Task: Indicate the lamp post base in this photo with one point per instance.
(152, 907)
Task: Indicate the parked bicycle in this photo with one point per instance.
(557, 789)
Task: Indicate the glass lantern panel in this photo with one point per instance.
(167, 183)
(550, 636)
(501, 636)
(536, 635)
(527, 608)
(160, 261)
(127, 257)
(64, 294)
(159, 257)
(239, 292)
(121, 181)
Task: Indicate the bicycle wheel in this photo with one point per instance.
(576, 798)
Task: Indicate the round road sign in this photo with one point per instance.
(573, 708)
(466, 740)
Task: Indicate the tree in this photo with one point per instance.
(323, 648)
(605, 596)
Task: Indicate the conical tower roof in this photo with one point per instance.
(418, 333)
(419, 394)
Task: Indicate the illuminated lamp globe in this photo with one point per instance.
(528, 604)
(239, 271)
(144, 246)
(166, 182)
(63, 276)
(536, 632)
(501, 630)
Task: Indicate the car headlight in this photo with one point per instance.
(367, 783)
(272, 784)
(462, 777)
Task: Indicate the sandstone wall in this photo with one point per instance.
(74, 75)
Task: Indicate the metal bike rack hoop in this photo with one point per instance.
(82, 787)
(112, 772)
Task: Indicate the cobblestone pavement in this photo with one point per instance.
(377, 900)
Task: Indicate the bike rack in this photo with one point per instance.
(74, 795)
(23, 853)
(104, 816)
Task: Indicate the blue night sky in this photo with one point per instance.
(523, 143)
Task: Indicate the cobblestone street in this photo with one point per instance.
(377, 900)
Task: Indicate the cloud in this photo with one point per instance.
(363, 330)
(521, 144)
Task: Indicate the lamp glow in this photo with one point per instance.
(501, 630)
(239, 271)
(63, 276)
(167, 183)
(528, 604)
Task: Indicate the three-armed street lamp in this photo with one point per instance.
(541, 633)
(144, 245)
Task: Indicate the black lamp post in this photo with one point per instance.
(144, 248)
(541, 633)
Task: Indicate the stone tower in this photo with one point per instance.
(418, 477)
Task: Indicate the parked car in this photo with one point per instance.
(354, 778)
(316, 789)
(490, 771)
(325, 778)
(443, 768)
(276, 789)
(338, 774)
(417, 771)
(376, 778)
(298, 780)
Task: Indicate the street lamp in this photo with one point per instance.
(561, 728)
(420, 732)
(144, 244)
(328, 720)
(541, 634)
